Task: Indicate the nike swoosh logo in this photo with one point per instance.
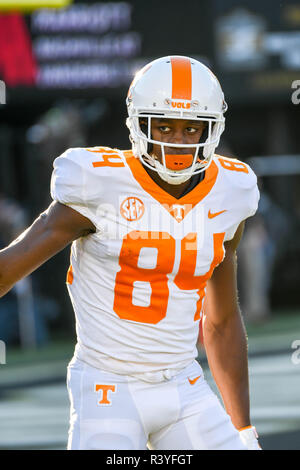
(193, 381)
(211, 215)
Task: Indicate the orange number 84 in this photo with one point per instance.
(157, 276)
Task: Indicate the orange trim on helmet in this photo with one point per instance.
(181, 78)
(179, 162)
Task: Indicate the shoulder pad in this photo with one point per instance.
(235, 172)
(239, 183)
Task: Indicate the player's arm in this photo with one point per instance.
(225, 338)
(52, 231)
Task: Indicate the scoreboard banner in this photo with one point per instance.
(82, 46)
(87, 48)
(257, 48)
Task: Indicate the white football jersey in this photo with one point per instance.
(138, 283)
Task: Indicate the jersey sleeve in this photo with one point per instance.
(242, 194)
(247, 193)
(72, 183)
(248, 211)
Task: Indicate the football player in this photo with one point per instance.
(154, 231)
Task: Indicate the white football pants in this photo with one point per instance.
(110, 411)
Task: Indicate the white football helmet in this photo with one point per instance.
(175, 87)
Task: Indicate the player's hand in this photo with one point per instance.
(249, 438)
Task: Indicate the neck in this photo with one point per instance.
(175, 190)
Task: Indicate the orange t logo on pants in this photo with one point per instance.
(104, 395)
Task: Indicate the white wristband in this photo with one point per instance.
(249, 438)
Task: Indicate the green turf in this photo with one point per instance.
(279, 322)
(54, 350)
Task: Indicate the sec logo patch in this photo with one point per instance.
(132, 208)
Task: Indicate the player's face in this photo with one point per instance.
(174, 131)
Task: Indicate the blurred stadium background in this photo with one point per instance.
(65, 67)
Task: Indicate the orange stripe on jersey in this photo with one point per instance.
(181, 78)
(167, 200)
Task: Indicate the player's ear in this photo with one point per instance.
(144, 128)
(143, 125)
